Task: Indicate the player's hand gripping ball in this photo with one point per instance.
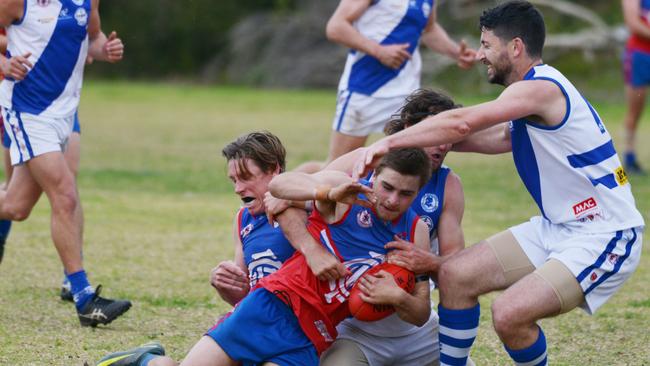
(368, 312)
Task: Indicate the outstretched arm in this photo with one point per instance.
(539, 99)
(492, 140)
(333, 191)
(436, 38)
(102, 48)
(340, 29)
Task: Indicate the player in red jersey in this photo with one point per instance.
(290, 318)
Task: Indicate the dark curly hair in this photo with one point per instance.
(419, 105)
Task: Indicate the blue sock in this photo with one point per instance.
(5, 227)
(81, 289)
(630, 158)
(535, 355)
(146, 358)
(458, 329)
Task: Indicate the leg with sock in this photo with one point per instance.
(635, 102)
(5, 227)
(535, 355)
(515, 314)
(458, 329)
(461, 279)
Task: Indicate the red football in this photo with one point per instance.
(367, 312)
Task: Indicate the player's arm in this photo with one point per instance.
(230, 278)
(340, 29)
(10, 12)
(381, 288)
(451, 239)
(102, 48)
(540, 100)
(436, 38)
(631, 15)
(322, 263)
(333, 191)
(345, 163)
(17, 66)
(3, 44)
(492, 140)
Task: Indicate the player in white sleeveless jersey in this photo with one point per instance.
(47, 45)
(383, 65)
(587, 240)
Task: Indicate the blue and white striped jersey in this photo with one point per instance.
(387, 22)
(55, 32)
(571, 170)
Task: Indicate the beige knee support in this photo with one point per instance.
(563, 282)
(513, 259)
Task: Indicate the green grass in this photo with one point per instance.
(158, 214)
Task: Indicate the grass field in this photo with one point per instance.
(158, 211)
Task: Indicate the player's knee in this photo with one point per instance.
(15, 212)
(451, 276)
(65, 201)
(504, 317)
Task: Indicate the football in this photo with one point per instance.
(367, 312)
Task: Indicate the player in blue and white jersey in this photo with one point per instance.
(48, 42)
(384, 64)
(587, 240)
(440, 203)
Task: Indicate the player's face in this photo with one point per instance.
(494, 54)
(437, 155)
(394, 192)
(251, 188)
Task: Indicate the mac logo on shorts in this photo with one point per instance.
(429, 202)
(364, 219)
(78, 2)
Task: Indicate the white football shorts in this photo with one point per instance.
(600, 262)
(33, 135)
(361, 115)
